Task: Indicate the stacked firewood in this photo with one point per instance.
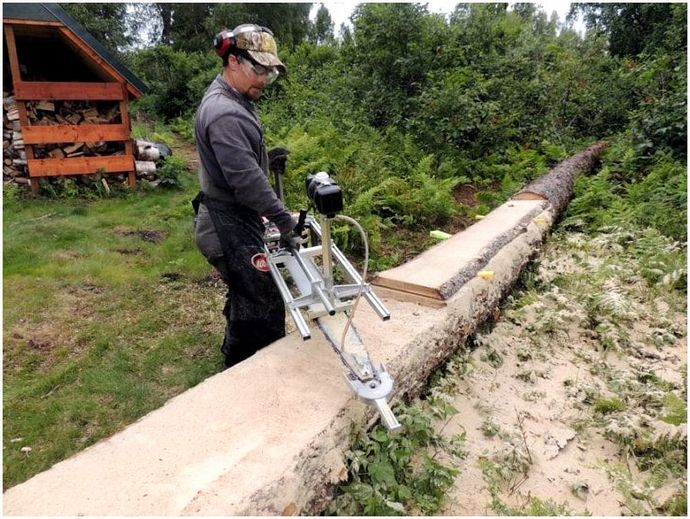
(13, 152)
(149, 155)
(51, 113)
(46, 113)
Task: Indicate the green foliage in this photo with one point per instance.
(107, 22)
(171, 171)
(663, 261)
(496, 97)
(12, 196)
(99, 185)
(631, 28)
(388, 183)
(322, 31)
(535, 507)
(628, 192)
(394, 474)
(177, 79)
(676, 505)
(606, 406)
(675, 410)
(417, 200)
(190, 27)
(184, 128)
(660, 199)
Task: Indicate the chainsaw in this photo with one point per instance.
(305, 278)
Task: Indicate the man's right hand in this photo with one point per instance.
(291, 240)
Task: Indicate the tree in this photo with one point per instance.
(630, 28)
(323, 26)
(108, 23)
(191, 26)
(165, 13)
(393, 49)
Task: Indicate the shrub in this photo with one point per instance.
(660, 199)
(176, 79)
(171, 170)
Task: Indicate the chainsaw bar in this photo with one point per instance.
(329, 305)
(372, 385)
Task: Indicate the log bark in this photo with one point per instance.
(557, 185)
(148, 153)
(145, 167)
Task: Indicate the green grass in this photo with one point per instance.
(101, 324)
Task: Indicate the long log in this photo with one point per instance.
(558, 184)
(280, 447)
(436, 275)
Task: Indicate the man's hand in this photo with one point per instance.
(291, 240)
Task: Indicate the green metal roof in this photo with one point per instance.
(55, 13)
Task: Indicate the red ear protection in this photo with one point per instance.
(223, 42)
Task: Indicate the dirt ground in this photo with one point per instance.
(579, 386)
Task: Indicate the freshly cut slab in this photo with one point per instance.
(435, 275)
(440, 271)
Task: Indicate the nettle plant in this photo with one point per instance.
(406, 473)
(409, 472)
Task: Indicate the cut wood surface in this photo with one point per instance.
(438, 272)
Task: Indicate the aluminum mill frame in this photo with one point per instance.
(321, 300)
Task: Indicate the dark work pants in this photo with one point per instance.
(254, 310)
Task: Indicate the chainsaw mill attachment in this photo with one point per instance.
(310, 270)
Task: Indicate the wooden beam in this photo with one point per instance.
(12, 52)
(67, 91)
(17, 21)
(21, 106)
(127, 123)
(75, 133)
(80, 166)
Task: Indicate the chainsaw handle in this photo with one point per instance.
(300, 222)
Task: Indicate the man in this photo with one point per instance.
(236, 192)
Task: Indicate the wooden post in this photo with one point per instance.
(21, 105)
(127, 123)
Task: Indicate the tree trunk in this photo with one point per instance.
(558, 184)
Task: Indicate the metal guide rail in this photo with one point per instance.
(315, 296)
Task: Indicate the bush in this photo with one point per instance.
(660, 199)
(177, 79)
(171, 170)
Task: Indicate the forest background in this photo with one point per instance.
(427, 122)
(408, 105)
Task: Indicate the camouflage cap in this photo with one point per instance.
(259, 44)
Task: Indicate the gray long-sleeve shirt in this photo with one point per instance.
(234, 162)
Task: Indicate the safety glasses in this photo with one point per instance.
(271, 73)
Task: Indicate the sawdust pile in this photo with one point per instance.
(574, 402)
